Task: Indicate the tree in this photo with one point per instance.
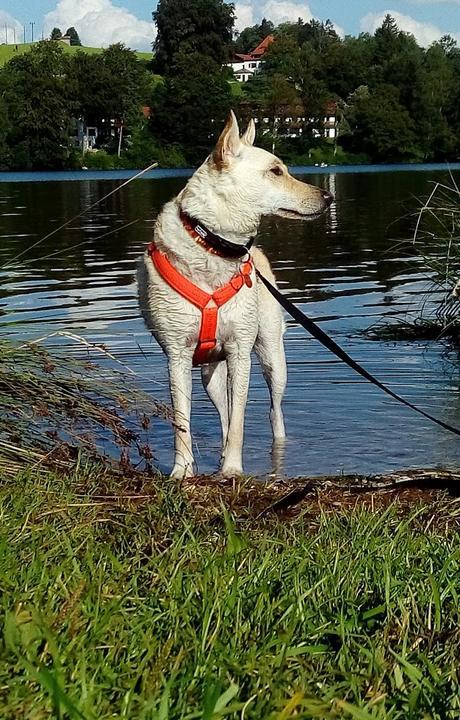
(5, 130)
(302, 68)
(197, 26)
(380, 125)
(387, 39)
(192, 104)
(432, 99)
(33, 88)
(193, 41)
(112, 85)
(56, 34)
(129, 83)
(249, 38)
(74, 37)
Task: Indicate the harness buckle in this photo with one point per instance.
(237, 282)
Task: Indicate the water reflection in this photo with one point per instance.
(347, 270)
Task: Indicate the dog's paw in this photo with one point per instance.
(230, 472)
(179, 472)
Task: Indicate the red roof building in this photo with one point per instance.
(261, 48)
(245, 64)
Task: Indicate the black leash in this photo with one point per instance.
(331, 345)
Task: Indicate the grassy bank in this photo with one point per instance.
(8, 52)
(58, 410)
(144, 599)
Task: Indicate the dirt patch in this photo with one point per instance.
(255, 503)
(254, 500)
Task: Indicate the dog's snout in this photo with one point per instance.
(327, 197)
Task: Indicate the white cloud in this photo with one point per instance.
(339, 30)
(279, 12)
(10, 29)
(99, 23)
(425, 33)
(244, 16)
(434, 2)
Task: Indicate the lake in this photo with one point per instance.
(347, 270)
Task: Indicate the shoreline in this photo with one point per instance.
(162, 173)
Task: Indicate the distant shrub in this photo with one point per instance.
(99, 160)
(143, 149)
(75, 160)
(171, 156)
(305, 151)
(325, 154)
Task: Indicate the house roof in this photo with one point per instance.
(244, 71)
(331, 107)
(255, 54)
(262, 47)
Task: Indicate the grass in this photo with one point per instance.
(415, 329)
(145, 599)
(7, 52)
(57, 410)
(436, 245)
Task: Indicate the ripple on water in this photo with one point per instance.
(343, 271)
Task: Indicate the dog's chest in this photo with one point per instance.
(238, 318)
(176, 322)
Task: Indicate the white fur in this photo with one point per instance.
(229, 194)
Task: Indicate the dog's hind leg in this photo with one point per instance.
(269, 346)
(270, 351)
(214, 377)
(180, 380)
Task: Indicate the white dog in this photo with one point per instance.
(199, 294)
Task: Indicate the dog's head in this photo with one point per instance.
(260, 180)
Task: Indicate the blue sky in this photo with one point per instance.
(103, 21)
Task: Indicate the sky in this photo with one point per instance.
(101, 22)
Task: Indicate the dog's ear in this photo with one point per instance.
(229, 144)
(250, 134)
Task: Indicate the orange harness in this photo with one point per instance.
(208, 303)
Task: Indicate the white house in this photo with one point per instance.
(243, 74)
(244, 66)
(330, 122)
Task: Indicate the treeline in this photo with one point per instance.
(393, 100)
(46, 94)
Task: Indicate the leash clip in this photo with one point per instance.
(246, 270)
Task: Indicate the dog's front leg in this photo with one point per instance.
(180, 380)
(239, 370)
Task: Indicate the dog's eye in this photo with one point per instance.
(277, 170)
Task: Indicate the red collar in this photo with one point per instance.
(208, 303)
(210, 241)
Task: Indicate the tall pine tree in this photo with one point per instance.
(197, 26)
(74, 36)
(192, 43)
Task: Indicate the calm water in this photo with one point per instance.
(347, 270)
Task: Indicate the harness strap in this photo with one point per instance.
(208, 303)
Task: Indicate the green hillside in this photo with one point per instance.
(9, 51)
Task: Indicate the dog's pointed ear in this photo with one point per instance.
(229, 144)
(250, 134)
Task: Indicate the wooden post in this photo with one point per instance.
(120, 138)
